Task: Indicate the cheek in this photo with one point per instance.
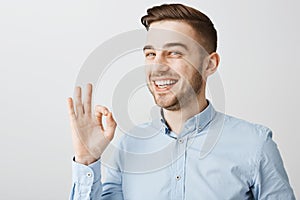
(148, 61)
(148, 69)
(183, 68)
(178, 66)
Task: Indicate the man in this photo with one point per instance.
(201, 153)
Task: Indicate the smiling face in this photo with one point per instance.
(173, 64)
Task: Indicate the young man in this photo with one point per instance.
(193, 151)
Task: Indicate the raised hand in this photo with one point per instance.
(89, 136)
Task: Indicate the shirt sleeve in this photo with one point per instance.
(271, 180)
(86, 181)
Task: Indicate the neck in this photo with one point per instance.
(177, 118)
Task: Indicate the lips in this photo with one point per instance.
(164, 84)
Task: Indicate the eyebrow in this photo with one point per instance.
(168, 45)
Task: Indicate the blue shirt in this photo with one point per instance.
(215, 157)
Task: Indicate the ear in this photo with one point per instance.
(212, 64)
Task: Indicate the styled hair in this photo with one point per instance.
(202, 25)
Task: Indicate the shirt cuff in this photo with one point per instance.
(86, 175)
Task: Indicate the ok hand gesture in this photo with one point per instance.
(89, 136)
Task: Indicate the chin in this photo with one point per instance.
(171, 105)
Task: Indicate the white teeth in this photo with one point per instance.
(164, 82)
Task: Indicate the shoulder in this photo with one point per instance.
(242, 138)
(246, 130)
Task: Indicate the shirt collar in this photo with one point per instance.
(197, 122)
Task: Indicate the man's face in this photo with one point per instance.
(173, 64)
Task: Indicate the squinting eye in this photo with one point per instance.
(175, 53)
(149, 55)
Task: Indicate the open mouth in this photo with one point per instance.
(165, 84)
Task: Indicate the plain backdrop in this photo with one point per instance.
(43, 45)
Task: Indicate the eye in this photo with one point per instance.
(175, 54)
(149, 54)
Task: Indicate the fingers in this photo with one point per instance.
(86, 106)
(88, 99)
(98, 116)
(101, 109)
(110, 122)
(110, 127)
(71, 108)
(99, 112)
(78, 101)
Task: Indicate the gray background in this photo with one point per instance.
(44, 43)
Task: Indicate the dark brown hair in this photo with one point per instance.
(196, 19)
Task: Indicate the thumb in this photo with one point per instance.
(110, 126)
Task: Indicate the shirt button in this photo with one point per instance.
(89, 174)
(178, 178)
(180, 141)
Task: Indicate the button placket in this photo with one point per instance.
(180, 167)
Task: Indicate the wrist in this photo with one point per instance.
(85, 160)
